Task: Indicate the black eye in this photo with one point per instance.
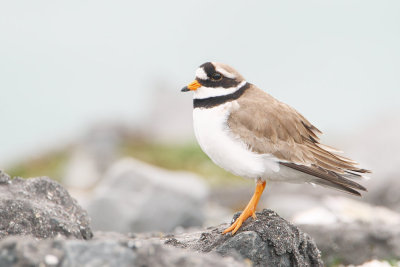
(216, 76)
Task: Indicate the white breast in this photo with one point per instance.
(226, 150)
(230, 153)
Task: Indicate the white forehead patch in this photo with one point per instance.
(201, 74)
(225, 73)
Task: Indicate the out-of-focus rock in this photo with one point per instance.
(377, 147)
(92, 156)
(351, 231)
(344, 210)
(81, 171)
(288, 199)
(384, 185)
(215, 214)
(4, 177)
(137, 197)
(40, 207)
(355, 243)
(376, 263)
(103, 252)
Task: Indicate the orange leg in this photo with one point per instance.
(250, 209)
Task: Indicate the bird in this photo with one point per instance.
(249, 133)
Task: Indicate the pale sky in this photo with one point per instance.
(67, 64)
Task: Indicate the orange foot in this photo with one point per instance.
(249, 210)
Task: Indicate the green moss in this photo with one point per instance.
(393, 261)
(51, 164)
(332, 261)
(188, 156)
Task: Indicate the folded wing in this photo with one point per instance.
(269, 126)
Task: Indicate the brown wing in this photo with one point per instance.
(269, 126)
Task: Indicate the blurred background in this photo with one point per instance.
(90, 91)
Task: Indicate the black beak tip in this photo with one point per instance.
(185, 89)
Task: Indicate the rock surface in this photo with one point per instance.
(267, 241)
(145, 198)
(41, 226)
(331, 210)
(110, 252)
(40, 207)
(355, 243)
(376, 263)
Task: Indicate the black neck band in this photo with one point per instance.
(211, 102)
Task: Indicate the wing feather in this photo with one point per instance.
(269, 126)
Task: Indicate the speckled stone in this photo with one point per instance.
(40, 207)
(267, 241)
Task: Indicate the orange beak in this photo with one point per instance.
(191, 87)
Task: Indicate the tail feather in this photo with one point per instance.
(331, 178)
(339, 187)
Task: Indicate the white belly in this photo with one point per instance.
(229, 152)
(226, 150)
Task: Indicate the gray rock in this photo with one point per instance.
(4, 177)
(40, 207)
(385, 191)
(118, 252)
(383, 187)
(355, 243)
(331, 210)
(158, 255)
(93, 154)
(267, 241)
(137, 197)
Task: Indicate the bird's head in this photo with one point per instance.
(214, 79)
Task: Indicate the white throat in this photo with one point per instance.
(206, 92)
